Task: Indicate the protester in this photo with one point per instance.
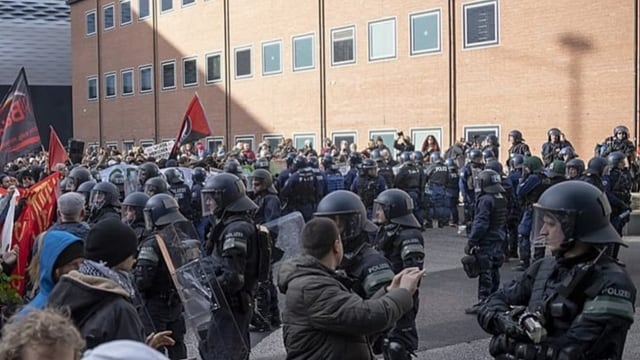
(71, 212)
(41, 335)
(322, 319)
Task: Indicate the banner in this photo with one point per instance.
(160, 151)
(7, 227)
(37, 216)
(57, 153)
(194, 125)
(18, 129)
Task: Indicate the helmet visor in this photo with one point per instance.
(379, 214)
(98, 199)
(71, 184)
(552, 228)
(128, 215)
(209, 203)
(148, 219)
(151, 190)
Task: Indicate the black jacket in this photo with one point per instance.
(322, 319)
(99, 307)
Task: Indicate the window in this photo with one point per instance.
(214, 70)
(92, 88)
(166, 5)
(127, 145)
(168, 75)
(338, 137)
(245, 139)
(125, 12)
(425, 32)
(271, 58)
(303, 52)
(126, 78)
(419, 135)
(300, 139)
(108, 20)
(273, 140)
(189, 72)
(382, 39)
(243, 63)
(110, 85)
(213, 143)
(146, 143)
(480, 24)
(143, 9)
(387, 138)
(479, 133)
(146, 78)
(342, 51)
(90, 22)
(187, 2)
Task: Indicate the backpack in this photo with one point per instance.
(471, 180)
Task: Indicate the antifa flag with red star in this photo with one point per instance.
(18, 129)
(194, 126)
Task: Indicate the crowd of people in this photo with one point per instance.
(352, 292)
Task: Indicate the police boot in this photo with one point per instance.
(395, 351)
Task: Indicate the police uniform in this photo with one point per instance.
(368, 187)
(528, 191)
(617, 186)
(410, 179)
(453, 192)
(437, 175)
(301, 192)
(467, 189)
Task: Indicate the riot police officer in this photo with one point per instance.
(384, 169)
(76, 177)
(156, 185)
(233, 245)
(577, 304)
(567, 153)
(574, 169)
(104, 203)
(332, 176)
(486, 239)
(594, 172)
(619, 142)
(314, 165)
(491, 143)
(85, 189)
(437, 176)
(515, 215)
(133, 215)
(180, 190)
(556, 172)
(233, 166)
(518, 145)
(147, 171)
(117, 179)
(551, 149)
(617, 184)
(283, 176)
(468, 173)
(355, 159)
(410, 179)
(368, 184)
(152, 276)
(200, 222)
(399, 238)
(510, 247)
(301, 190)
(452, 191)
(262, 163)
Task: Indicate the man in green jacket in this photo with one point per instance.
(322, 318)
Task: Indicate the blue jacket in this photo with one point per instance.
(55, 242)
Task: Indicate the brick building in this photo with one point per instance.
(355, 69)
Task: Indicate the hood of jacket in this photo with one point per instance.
(55, 242)
(302, 265)
(80, 229)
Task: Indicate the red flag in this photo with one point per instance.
(18, 129)
(194, 125)
(57, 153)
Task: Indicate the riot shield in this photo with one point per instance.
(207, 312)
(286, 231)
(187, 174)
(128, 171)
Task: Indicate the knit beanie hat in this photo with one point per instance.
(74, 251)
(110, 241)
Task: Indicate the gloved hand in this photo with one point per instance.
(470, 249)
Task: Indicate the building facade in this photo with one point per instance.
(355, 70)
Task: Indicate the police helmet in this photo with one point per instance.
(553, 132)
(300, 162)
(394, 206)
(95, 174)
(375, 154)
(596, 165)
(174, 176)
(199, 175)
(290, 157)
(265, 179)
(556, 169)
(581, 209)
(621, 129)
(492, 139)
(494, 165)
(348, 211)
(261, 163)
(313, 162)
(355, 158)
(135, 201)
(615, 159)
(232, 166)
(160, 210)
(516, 161)
(64, 185)
(77, 176)
(117, 179)
(146, 171)
(576, 164)
(225, 192)
(488, 154)
(405, 157)
(516, 135)
(418, 156)
(534, 164)
(475, 156)
(327, 162)
(567, 153)
(104, 194)
(489, 181)
(156, 185)
(435, 157)
(451, 164)
(85, 189)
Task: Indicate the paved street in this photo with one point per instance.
(445, 331)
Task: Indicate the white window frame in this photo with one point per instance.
(213, 140)
(165, 11)
(149, 6)
(345, 133)
(483, 44)
(115, 84)
(146, 142)
(312, 36)
(104, 18)
(495, 129)
(272, 136)
(355, 48)
(111, 144)
(268, 43)
(305, 135)
(435, 131)
(140, 68)
(235, 62)
(90, 78)
(133, 81)
(162, 64)
(372, 23)
(184, 72)
(124, 149)
(95, 22)
(245, 138)
(206, 66)
(130, 13)
(421, 14)
(187, 5)
(381, 132)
